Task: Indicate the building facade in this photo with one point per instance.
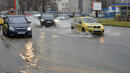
(63, 6)
(87, 6)
(79, 6)
(74, 6)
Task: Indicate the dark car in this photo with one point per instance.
(71, 15)
(3, 14)
(17, 25)
(47, 19)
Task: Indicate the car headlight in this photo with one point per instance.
(56, 20)
(29, 28)
(11, 29)
(102, 27)
(42, 19)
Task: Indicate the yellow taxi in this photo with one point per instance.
(87, 24)
(1, 21)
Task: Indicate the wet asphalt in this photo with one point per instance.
(59, 50)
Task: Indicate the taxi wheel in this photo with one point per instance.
(102, 34)
(83, 29)
(30, 36)
(72, 28)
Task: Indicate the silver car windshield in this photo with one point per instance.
(47, 16)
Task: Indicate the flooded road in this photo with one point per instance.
(60, 50)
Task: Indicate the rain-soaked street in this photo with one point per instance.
(60, 50)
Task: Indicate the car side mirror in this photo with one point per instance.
(80, 22)
(29, 21)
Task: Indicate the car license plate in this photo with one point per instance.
(21, 32)
(48, 21)
(96, 30)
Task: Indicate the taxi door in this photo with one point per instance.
(79, 24)
(1, 21)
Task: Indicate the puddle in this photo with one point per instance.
(102, 40)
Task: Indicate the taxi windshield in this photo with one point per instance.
(88, 20)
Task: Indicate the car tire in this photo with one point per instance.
(72, 28)
(41, 23)
(4, 32)
(30, 36)
(83, 30)
(102, 34)
(8, 35)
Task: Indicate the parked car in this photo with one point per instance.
(87, 24)
(3, 14)
(71, 15)
(63, 16)
(12, 12)
(36, 14)
(27, 13)
(17, 25)
(77, 15)
(47, 19)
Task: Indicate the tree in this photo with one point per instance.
(28, 5)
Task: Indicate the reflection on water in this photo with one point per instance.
(102, 40)
(29, 56)
(55, 36)
(42, 35)
(27, 71)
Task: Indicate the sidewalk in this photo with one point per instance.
(9, 61)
